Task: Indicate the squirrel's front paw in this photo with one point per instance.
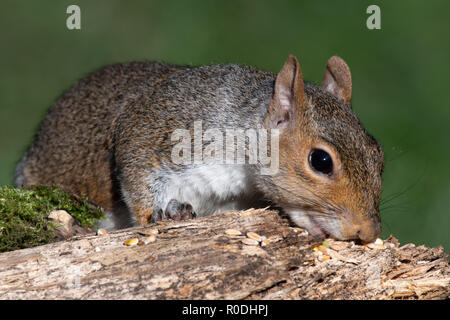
(175, 211)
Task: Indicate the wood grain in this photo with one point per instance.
(197, 260)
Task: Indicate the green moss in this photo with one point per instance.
(23, 215)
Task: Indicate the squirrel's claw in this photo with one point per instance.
(175, 211)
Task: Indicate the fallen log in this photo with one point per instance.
(207, 258)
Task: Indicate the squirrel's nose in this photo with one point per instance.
(369, 231)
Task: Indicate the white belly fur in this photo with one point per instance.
(210, 188)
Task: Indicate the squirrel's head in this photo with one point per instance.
(330, 168)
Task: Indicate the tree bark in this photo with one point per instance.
(200, 259)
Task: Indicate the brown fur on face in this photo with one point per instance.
(344, 203)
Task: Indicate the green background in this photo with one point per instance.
(400, 74)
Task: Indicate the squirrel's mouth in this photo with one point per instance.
(315, 229)
(313, 224)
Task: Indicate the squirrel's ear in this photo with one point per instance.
(289, 94)
(338, 80)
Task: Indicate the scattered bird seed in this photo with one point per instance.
(150, 238)
(101, 232)
(250, 242)
(152, 231)
(323, 258)
(377, 244)
(233, 232)
(338, 245)
(132, 242)
(254, 236)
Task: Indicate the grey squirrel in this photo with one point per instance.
(109, 138)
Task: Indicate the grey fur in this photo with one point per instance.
(108, 137)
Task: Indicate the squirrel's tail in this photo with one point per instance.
(19, 175)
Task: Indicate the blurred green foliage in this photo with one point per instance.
(400, 74)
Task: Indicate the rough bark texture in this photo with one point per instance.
(198, 260)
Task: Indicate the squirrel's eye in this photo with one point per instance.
(321, 161)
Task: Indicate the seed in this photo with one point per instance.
(152, 231)
(377, 244)
(150, 238)
(378, 241)
(148, 232)
(250, 242)
(131, 242)
(317, 252)
(233, 232)
(254, 236)
(101, 232)
(323, 249)
(338, 245)
(323, 258)
(326, 244)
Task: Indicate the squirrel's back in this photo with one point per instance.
(74, 147)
